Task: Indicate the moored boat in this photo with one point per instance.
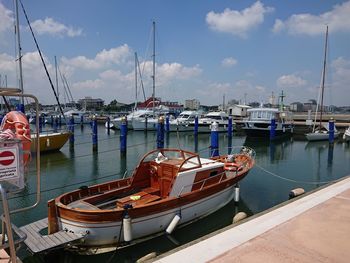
(346, 135)
(50, 141)
(169, 187)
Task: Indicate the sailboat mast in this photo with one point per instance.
(323, 75)
(19, 49)
(58, 94)
(154, 63)
(135, 81)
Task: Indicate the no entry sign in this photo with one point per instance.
(7, 158)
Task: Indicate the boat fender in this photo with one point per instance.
(238, 217)
(236, 196)
(173, 224)
(296, 192)
(127, 231)
(147, 257)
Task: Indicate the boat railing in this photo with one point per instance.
(202, 183)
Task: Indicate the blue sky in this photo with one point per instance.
(204, 49)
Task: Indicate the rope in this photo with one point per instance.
(295, 181)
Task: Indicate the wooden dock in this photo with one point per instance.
(37, 242)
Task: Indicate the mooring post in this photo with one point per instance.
(108, 125)
(71, 129)
(229, 127)
(123, 135)
(272, 129)
(331, 130)
(160, 133)
(54, 124)
(94, 134)
(52, 120)
(40, 123)
(59, 120)
(195, 125)
(167, 124)
(214, 139)
(146, 124)
(20, 107)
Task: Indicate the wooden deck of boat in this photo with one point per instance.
(37, 242)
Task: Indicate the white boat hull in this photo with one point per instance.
(105, 234)
(319, 136)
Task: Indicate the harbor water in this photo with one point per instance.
(280, 167)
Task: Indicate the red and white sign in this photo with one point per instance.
(7, 158)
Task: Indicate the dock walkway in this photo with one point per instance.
(313, 228)
(37, 242)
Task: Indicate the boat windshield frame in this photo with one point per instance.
(186, 160)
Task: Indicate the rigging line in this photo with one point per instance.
(42, 59)
(60, 187)
(296, 181)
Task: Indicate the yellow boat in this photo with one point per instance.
(50, 141)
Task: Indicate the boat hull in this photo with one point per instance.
(319, 136)
(50, 141)
(101, 234)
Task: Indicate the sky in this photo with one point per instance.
(205, 50)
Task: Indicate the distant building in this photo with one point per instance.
(88, 103)
(238, 110)
(296, 107)
(192, 104)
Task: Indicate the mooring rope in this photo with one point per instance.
(295, 181)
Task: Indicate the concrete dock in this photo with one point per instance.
(312, 228)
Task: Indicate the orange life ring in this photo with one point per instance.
(231, 166)
(17, 122)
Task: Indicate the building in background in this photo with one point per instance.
(88, 103)
(192, 104)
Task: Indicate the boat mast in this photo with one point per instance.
(135, 81)
(154, 63)
(19, 49)
(58, 94)
(323, 75)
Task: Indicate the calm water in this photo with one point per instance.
(306, 165)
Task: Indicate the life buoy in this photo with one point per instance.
(231, 167)
(17, 122)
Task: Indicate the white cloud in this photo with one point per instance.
(290, 81)
(54, 28)
(104, 58)
(338, 20)
(238, 22)
(229, 62)
(87, 85)
(6, 18)
(340, 79)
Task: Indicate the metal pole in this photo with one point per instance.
(8, 225)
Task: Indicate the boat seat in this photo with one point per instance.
(137, 199)
(82, 205)
(151, 190)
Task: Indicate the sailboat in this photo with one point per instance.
(322, 131)
(49, 141)
(150, 121)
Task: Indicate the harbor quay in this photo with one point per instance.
(311, 228)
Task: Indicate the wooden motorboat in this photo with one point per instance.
(169, 187)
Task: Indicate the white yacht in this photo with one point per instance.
(116, 122)
(346, 135)
(258, 123)
(183, 121)
(204, 123)
(149, 120)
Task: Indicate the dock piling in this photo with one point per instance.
(331, 130)
(123, 135)
(94, 134)
(214, 139)
(108, 125)
(229, 127)
(71, 129)
(167, 124)
(160, 133)
(272, 129)
(195, 125)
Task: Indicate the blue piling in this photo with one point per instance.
(272, 129)
(81, 120)
(59, 120)
(160, 133)
(40, 123)
(195, 126)
(167, 124)
(214, 140)
(331, 130)
(94, 134)
(52, 120)
(54, 124)
(229, 127)
(71, 129)
(146, 124)
(20, 107)
(123, 135)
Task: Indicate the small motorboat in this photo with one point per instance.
(168, 188)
